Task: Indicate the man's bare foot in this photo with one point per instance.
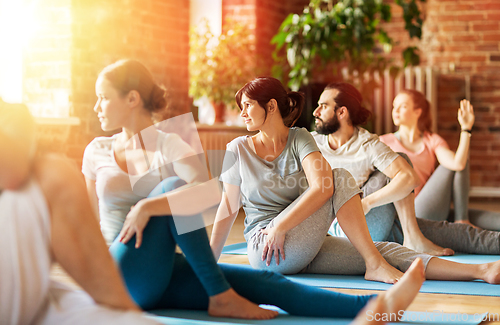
(467, 222)
(391, 304)
(424, 245)
(383, 272)
(491, 272)
(230, 304)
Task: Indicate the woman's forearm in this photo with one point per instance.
(185, 201)
(220, 232)
(224, 220)
(462, 154)
(455, 160)
(309, 202)
(321, 186)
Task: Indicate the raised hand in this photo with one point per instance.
(466, 116)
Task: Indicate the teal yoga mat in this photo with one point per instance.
(241, 249)
(430, 286)
(477, 288)
(184, 317)
(235, 249)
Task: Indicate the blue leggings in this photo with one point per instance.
(147, 271)
(158, 278)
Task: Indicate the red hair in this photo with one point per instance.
(424, 123)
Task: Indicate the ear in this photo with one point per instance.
(418, 112)
(272, 105)
(342, 113)
(133, 98)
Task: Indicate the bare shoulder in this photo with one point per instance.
(58, 177)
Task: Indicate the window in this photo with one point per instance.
(35, 55)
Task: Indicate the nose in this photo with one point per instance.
(97, 106)
(243, 112)
(316, 112)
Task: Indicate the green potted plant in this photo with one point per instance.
(219, 66)
(347, 33)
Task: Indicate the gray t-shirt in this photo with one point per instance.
(361, 155)
(267, 187)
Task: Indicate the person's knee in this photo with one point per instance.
(167, 185)
(375, 182)
(343, 178)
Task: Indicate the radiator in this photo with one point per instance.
(423, 79)
(214, 139)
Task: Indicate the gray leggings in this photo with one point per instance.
(308, 249)
(433, 202)
(383, 224)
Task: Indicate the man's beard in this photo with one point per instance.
(329, 127)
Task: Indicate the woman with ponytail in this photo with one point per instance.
(450, 180)
(291, 196)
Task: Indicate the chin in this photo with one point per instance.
(251, 128)
(106, 128)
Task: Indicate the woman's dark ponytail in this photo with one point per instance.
(296, 105)
(290, 104)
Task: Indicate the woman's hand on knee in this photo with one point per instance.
(274, 243)
(136, 221)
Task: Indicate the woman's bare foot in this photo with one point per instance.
(491, 272)
(424, 245)
(401, 295)
(391, 304)
(230, 304)
(372, 313)
(467, 222)
(383, 272)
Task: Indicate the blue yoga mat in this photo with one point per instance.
(235, 249)
(478, 288)
(184, 317)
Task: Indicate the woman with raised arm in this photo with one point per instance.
(450, 180)
(144, 233)
(291, 196)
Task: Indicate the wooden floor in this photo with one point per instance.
(424, 302)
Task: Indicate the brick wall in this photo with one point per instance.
(462, 38)
(154, 32)
(264, 18)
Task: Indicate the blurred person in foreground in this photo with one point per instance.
(45, 217)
